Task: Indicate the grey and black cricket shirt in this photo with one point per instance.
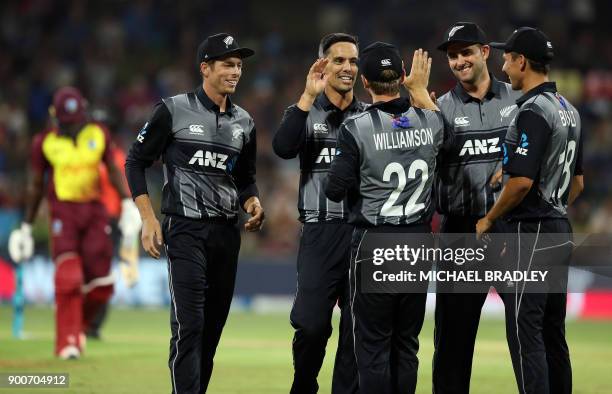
(208, 156)
(478, 128)
(313, 134)
(544, 143)
(388, 156)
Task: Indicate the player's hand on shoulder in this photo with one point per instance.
(151, 237)
(253, 207)
(21, 243)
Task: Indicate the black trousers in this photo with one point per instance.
(456, 324)
(386, 329)
(322, 281)
(535, 321)
(202, 262)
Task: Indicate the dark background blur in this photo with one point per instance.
(125, 55)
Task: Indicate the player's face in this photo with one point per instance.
(467, 62)
(342, 66)
(512, 68)
(223, 75)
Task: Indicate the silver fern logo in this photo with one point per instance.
(237, 132)
(506, 111)
(454, 30)
(228, 41)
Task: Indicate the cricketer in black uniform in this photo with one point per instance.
(477, 112)
(309, 129)
(208, 148)
(390, 140)
(543, 160)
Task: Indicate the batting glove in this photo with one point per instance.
(21, 243)
(129, 222)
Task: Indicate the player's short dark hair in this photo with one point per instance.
(333, 38)
(389, 88)
(540, 68)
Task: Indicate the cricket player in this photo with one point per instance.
(208, 147)
(309, 129)
(67, 158)
(543, 161)
(477, 112)
(128, 250)
(389, 186)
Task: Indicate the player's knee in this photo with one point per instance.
(68, 274)
(100, 294)
(315, 329)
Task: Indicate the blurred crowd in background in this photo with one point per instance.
(126, 55)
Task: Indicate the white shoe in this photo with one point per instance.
(70, 352)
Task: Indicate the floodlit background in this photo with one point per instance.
(125, 55)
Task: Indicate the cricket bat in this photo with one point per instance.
(129, 252)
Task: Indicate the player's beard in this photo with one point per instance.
(473, 77)
(340, 86)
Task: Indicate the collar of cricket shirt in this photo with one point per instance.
(209, 104)
(541, 88)
(396, 106)
(327, 105)
(494, 90)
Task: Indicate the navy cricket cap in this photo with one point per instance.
(463, 32)
(378, 57)
(529, 42)
(221, 45)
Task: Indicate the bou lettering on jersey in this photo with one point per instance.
(567, 118)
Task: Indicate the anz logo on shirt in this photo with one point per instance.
(480, 146)
(142, 133)
(326, 156)
(521, 149)
(209, 159)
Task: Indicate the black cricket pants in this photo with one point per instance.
(322, 281)
(535, 321)
(386, 326)
(202, 262)
(457, 317)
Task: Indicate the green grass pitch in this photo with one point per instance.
(255, 355)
